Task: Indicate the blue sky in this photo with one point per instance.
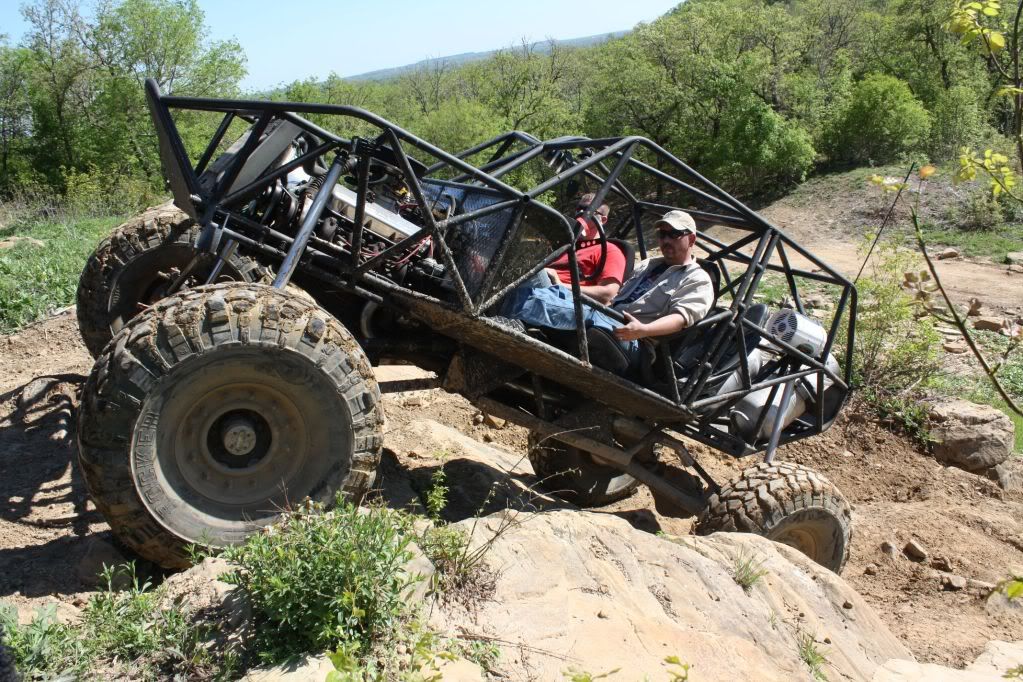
(285, 40)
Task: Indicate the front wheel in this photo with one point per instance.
(219, 408)
(787, 503)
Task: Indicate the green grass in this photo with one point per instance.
(813, 657)
(747, 571)
(993, 244)
(130, 631)
(36, 280)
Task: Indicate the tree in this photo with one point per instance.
(882, 121)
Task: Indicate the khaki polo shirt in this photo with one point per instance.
(682, 289)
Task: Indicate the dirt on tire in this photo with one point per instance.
(258, 354)
(790, 503)
(153, 242)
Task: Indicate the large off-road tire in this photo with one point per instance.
(219, 407)
(788, 503)
(574, 475)
(132, 268)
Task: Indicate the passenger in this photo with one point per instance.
(662, 297)
(602, 286)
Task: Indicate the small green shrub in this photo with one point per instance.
(131, 629)
(747, 571)
(321, 579)
(895, 349)
(43, 646)
(881, 122)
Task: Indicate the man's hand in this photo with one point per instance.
(633, 329)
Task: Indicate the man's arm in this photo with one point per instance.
(671, 323)
(603, 291)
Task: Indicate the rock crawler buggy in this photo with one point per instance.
(236, 335)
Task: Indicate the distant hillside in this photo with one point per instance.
(466, 57)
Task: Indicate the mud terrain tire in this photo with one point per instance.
(788, 503)
(219, 407)
(129, 267)
(572, 474)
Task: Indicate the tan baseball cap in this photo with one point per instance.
(678, 221)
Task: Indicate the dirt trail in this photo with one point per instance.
(48, 529)
(993, 284)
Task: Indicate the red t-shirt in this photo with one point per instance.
(589, 261)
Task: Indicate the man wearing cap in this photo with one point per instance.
(598, 280)
(662, 297)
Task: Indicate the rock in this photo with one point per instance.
(99, 553)
(201, 588)
(847, 604)
(915, 550)
(458, 670)
(870, 569)
(976, 305)
(980, 586)
(997, 604)
(1016, 269)
(306, 669)
(998, 657)
(947, 254)
(1014, 258)
(59, 611)
(478, 472)
(1008, 475)
(970, 436)
(911, 671)
(422, 570)
(477, 418)
(989, 323)
(559, 569)
(942, 564)
(956, 347)
(952, 583)
(889, 549)
(492, 421)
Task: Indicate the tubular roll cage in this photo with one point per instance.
(599, 161)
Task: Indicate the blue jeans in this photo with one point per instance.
(552, 307)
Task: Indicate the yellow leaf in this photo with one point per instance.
(991, 11)
(927, 171)
(996, 41)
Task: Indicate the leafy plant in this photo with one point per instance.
(747, 571)
(130, 628)
(321, 579)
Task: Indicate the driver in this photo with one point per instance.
(662, 297)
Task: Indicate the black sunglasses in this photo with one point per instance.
(665, 234)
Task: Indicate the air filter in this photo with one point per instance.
(799, 331)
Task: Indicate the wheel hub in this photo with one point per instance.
(239, 435)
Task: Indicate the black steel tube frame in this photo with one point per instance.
(217, 207)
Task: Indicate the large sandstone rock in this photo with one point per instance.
(971, 436)
(588, 591)
(997, 658)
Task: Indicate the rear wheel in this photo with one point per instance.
(575, 475)
(133, 267)
(787, 503)
(217, 409)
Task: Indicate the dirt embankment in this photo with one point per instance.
(50, 535)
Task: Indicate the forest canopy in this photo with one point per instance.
(754, 94)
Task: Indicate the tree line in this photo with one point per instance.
(755, 94)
